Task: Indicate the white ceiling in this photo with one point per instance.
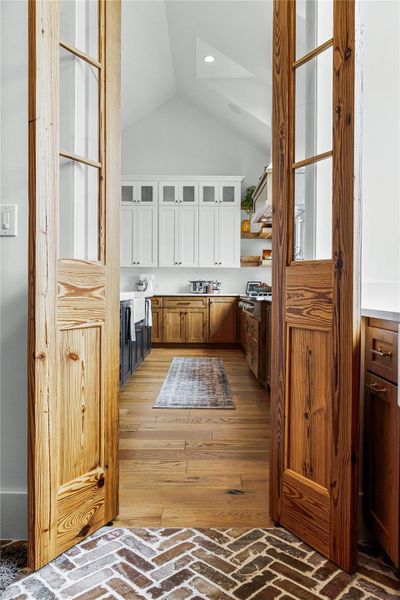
(163, 46)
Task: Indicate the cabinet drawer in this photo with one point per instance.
(382, 463)
(156, 302)
(381, 348)
(252, 328)
(185, 302)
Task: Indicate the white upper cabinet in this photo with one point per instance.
(219, 236)
(139, 192)
(188, 236)
(224, 194)
(228, 237)
(208, 228)
(139, 236)
(168, 250)
(178, 193)
(180, 221)
(178, 241)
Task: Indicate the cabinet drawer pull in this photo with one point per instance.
(183, 303)
(380, 352)
(375, 387)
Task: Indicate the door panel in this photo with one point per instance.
(74, 282)
(173, 325)
(223, 320)
(147, 235)
(208, 234)
(229, 237)
(196, 325)
(168, 241)
(188, 236)
(315, 320)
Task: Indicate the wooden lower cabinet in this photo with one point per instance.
(382, 436)
(188, 326)
(255, 339)
(223, 320)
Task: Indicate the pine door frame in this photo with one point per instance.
(346, 268)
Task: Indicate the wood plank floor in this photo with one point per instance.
(193, 467)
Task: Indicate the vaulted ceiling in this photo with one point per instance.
(163, 46)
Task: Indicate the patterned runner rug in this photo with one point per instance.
(195, 383)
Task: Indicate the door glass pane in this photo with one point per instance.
(313, 211)
(314, 106)
(228, 193)
(314, 24)
(209, 193)
(127, 193)
(169, 193)
(146, 194)
(79, 25)
(78, 211)
(188, 193)
(79, 106)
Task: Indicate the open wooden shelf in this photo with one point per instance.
(251, 235)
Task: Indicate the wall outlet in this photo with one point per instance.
(8, 220)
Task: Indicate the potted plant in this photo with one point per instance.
(247, 206)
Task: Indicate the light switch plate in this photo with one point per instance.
(8, 220)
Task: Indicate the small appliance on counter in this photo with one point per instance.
(145, 283)
(256, 292)
(201, 286)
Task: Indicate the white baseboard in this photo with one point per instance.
(14, 515)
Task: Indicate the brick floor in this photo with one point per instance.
(202, 564)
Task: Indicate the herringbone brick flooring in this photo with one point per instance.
(196, 564)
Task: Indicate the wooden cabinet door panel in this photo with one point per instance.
(223, 320)
(157, 327)
(196, 325)
(173, 325)
(382, 462)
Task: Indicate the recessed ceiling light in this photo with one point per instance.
(209, 58)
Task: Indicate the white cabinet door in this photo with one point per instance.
(229, 193)
(147, 235)
(129, 192)
(168, 192)
(229, 236)
(147, 192)
(168, 227)
(209, 193)
(189, 193)
(128, 237)
(208, 236)
(188, 236)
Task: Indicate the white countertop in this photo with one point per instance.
(388, 315)
(133, 295)
(191, 294)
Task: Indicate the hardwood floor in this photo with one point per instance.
(194, 467)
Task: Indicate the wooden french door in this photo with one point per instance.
(74, 173)
(315, 343)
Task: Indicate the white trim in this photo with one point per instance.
(14, 515)
(127, 178)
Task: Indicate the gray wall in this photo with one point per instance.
(14, 268)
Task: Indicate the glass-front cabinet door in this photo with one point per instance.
(224, 194)
(147, 192)
(169, 192)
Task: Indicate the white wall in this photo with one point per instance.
(14, 268)
(172, 281)
(179, 139)
(381, 156)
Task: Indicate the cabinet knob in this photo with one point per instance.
(215, 263)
